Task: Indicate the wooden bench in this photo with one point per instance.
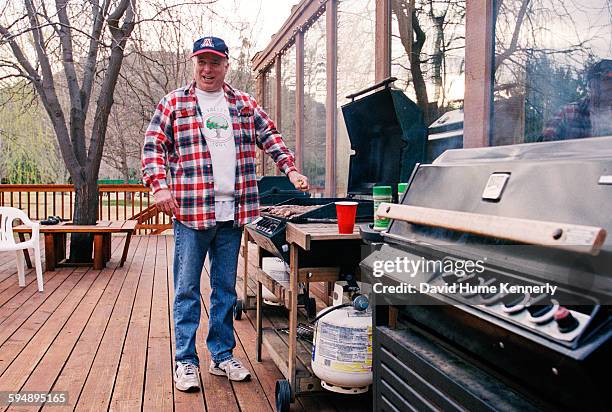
(55, 241)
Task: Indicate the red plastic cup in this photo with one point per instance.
(346, 212)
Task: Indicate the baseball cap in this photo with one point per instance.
(210, 44)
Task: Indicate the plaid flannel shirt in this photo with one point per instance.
(573, 121)
(174, 139)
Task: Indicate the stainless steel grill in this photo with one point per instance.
(537, 217)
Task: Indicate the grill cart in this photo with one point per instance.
(272, 190)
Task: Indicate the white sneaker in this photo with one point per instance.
(186, 377)
(232, 368)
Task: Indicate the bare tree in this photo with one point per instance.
(430, 32)
(507, 50)
(56, 31)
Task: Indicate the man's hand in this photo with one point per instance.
(299, 181)
(165, 202)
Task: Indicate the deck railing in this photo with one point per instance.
(116, 202)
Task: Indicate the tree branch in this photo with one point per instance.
(18, 53)
(499, 59)
(92, 55)
(77, 116)
(120, 36)
(48, 95)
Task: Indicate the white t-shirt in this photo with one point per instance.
(219, 135)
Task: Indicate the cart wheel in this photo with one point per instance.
(311, 308)
(238, 308)
(283, 395)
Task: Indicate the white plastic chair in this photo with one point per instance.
(7, 242)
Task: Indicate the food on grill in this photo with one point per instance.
(287, 211)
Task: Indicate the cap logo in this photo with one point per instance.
(208, 42)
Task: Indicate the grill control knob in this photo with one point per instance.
(565, 320)
(539, 310)
(514, 303)
(513, 299)
(543, 311)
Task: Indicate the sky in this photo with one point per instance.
(258, 20)
(263, 18)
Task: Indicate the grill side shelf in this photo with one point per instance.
(576, 238)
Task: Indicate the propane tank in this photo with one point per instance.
(342, 344)
(275, 267)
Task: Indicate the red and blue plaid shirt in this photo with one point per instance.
(174, 139)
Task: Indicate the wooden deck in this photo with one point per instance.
(105, 337)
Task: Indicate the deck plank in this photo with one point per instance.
(97, 391)
(24, 303)
(49, 367)
(107, 338)
(129, 383)
(78, 367)
(25, 355)
(159, 382)
(40, 328)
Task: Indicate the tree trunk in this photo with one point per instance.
(85, 213)
(413, 38)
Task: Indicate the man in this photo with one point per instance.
(205, 133)
(589, 116)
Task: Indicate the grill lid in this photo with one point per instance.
(276, 189)
(388, 136)
(275, 184)
(565, 182)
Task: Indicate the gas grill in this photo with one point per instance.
(536, 217)
(387, 136)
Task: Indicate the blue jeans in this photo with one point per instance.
(222, 243)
